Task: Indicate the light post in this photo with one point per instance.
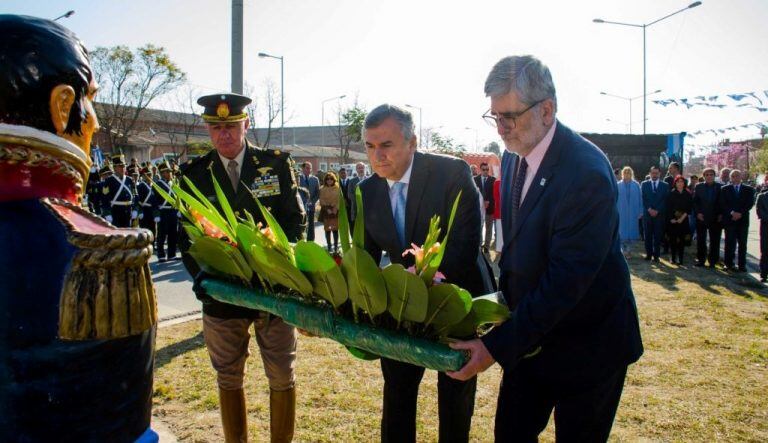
(629, 99)
(477, 147)
(644, 26)
(322, 115)
(67, 14)
(421, 141)
(282, 97)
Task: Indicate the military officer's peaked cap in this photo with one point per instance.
(224, 108)
(163, 167)
(106, 169)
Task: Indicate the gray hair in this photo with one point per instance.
(524, 74)
(382, 112)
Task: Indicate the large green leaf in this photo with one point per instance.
(358, 236)
(220, 257)
(211, 215)
(277, 230)
(448, 305)
(429, 273)
(246, 238)
(279, 270)
(225, 207)
(485, 310)
(343, 223)
(408, 295)
(327, 279)
(367, 289)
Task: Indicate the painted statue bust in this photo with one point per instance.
(77, 306)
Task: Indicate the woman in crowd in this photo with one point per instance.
(679, 205)
(329, 209)
(630, 203)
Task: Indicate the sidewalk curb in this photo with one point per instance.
(162, 430)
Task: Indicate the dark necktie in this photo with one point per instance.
(654, 187)
(517, 188)
(234, 177)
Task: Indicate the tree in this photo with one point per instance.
(271, 105)
(350, 129)
(494, 148)
(129, 82)
(180, 124)
(760, 163)
(446, 145)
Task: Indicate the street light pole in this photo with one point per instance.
(282, 97)
(421, 141)
(477, 147)
(644, 26)
(630, 99)
(67, 14)
(322, 115)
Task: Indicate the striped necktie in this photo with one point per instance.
(517, 189)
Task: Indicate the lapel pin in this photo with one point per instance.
(543, 182)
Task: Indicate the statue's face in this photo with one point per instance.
(90, 125)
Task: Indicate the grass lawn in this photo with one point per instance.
(703, 376)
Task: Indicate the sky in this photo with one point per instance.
(435, 55)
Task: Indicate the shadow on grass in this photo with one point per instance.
(163, 356)
(668, 275)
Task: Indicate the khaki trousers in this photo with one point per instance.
(227, 343)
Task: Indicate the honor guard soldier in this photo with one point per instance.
(146, 202)
(166, 216)
(246, 173)
(98, 187)
(118, 201)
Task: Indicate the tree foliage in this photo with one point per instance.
(760, 164)
(129, 81)
(350, 129)
(494, 148)
(446, 145)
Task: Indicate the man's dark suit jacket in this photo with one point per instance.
(562, 270)
(656, 200)
(706, 204)
(741, 203)
(435, 181)
(486, 191)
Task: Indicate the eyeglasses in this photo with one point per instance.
(509, 119)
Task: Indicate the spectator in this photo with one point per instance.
(654, 207)
(679, 205)
(672, 172)
(312, 185)
(630, 204)
(352, 188)
(484, 183)
(762, 214)
(706, 207)
(329, 207)
(475, 171)
(736, 199)
(497, 216)
(725, 175)
(343, 184)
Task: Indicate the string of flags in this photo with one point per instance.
(756, 100)
(730, 128)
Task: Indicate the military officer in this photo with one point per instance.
(145, 199)
(166, 216)
(118, 204)
(246, 173)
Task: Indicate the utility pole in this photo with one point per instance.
(237, 46)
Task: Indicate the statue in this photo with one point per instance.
(78, 312)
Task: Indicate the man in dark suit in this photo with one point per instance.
(762, 213)
(312, 185)
(407, 189)
(706, 207)
(655, 194)
(484, 183)
(245, 174)
(736, 199)
(574, 328)
(352, 187)
(344, 185)
(673, 170)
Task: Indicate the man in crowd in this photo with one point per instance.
(343, 184)
(673, 170)
(725, 176)
(146, 201)
(484, 183)
(574, 328)
(399, 199)
(655, 193)
(706, 207)
(352, 187)
(244, 172)
(167, 220)
(736, 199)
(118, 204)
(762, 213)
(312, 185)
